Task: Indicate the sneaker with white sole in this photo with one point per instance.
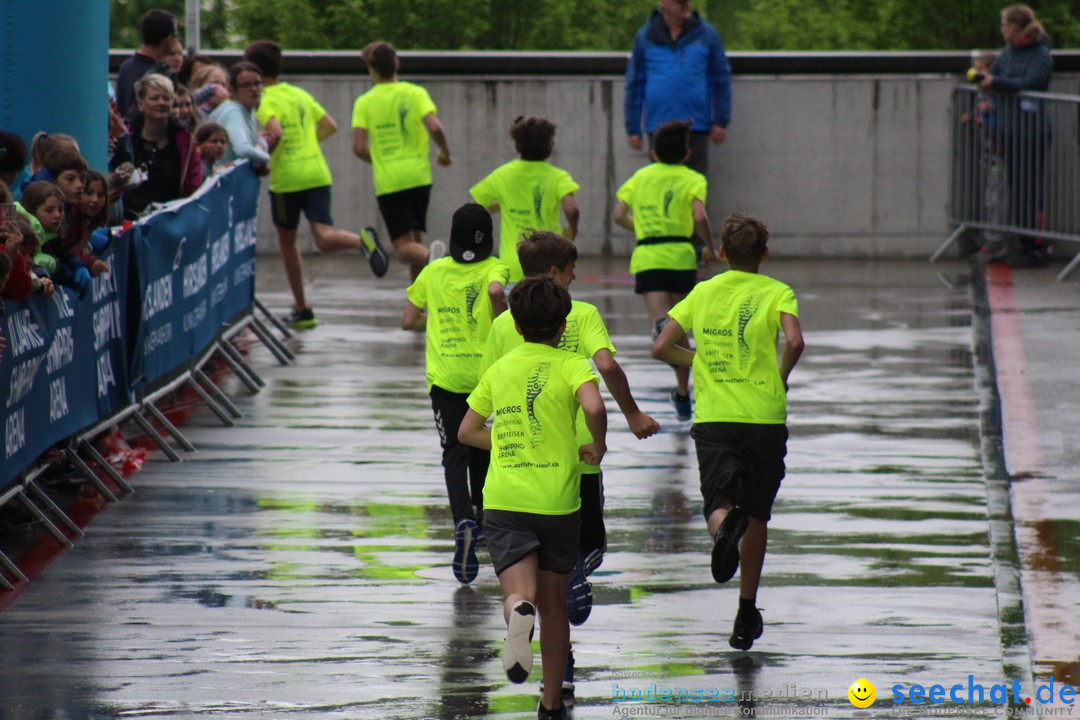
(376, 256)
(465, 563)
(517, 654)
(579, 597)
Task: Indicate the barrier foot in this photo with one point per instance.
(12, 569)
(97, 457)
(281, 327)
(1069, 268)
(90, 475)
(957, 234)
(54, 509)
(235, 361)
(170, 428)
(279, 351)
(207, 398)
(150, 430)
(44, 520)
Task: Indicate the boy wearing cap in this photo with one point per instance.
(461, 294)
(391, 125)
(532, 502)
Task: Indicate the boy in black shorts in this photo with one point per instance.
(532, 494)
(391, 125)
(662, 204)
(740, 416)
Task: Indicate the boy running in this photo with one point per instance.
(532, 495)
(529, 192)
(661, 204)
(461, 294)
(300, 178)
(739, 420)
(391, 125)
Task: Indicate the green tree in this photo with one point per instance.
(125, 15)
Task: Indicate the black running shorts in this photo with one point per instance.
(672, 281)
(513, 535)
(742, 463)
(285, 208)
(405, 210)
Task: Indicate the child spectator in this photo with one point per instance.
(212, 141)
(209, 87)
(391, 125)
(548, 255)
(96, 213)
(184, 108)
(661, 204)
(300, 178)
(42, 146)
(739, 419)
(529, 191)
(16, 282)
(460, 294)
(29, 246)
(532, 495)
(73, 269)
(68, 169)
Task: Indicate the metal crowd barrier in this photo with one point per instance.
(1014, 168)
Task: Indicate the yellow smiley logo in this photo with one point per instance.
(862, 693)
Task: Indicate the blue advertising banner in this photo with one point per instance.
(61, 371)
(196, 271)
(174, 279)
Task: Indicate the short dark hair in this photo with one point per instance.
(242, 67)
(671, 141)
(534, 137)
(539, 306)
(14, 159)
(157, 25)
(59, 161)
(381, 57)
(542, 250)
(208, 128)
(745, 239)
(184, 76)
(266, 54)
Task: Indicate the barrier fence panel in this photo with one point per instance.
(1015, 168)
(183, 273)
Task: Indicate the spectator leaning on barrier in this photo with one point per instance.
(237, 116)
(1023, 64)
(162, 149)
(159, 31)
(679, 71)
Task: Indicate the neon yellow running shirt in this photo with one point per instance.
(393, 114)
(585, 335)
(455, 296)
(735, 318)
(297, 163)
(532, 391)
(661, 197)
(529, 193)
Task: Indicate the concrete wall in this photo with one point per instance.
(843, 165)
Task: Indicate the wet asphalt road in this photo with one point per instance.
(297, 565)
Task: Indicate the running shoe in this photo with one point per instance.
(579, 596)
(542, 713)
(748, 627)
(300, 319)
(479, 538)
(592, 560)
(681, 404)
(517, 655)
(376, 256)
(465, 563)
(436, 251)
(725, 552)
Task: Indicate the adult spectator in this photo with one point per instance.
(1023, 64)
(162, 149)
(237, 116)
(679, 71)
(159, 31)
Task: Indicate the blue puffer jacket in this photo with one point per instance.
(1024, 66)
(689, 79)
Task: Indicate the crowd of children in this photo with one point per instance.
(529, 487)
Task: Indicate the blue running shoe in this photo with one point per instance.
(592, 560)
(682, 405)
(578, 596)
(465, 563)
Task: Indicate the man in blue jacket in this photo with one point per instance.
(679, 71)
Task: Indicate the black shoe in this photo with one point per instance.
(376, 256)
(725, 552)
(300, 319)
(748, 628)
(542, 713)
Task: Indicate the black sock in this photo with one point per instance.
(747, 605)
